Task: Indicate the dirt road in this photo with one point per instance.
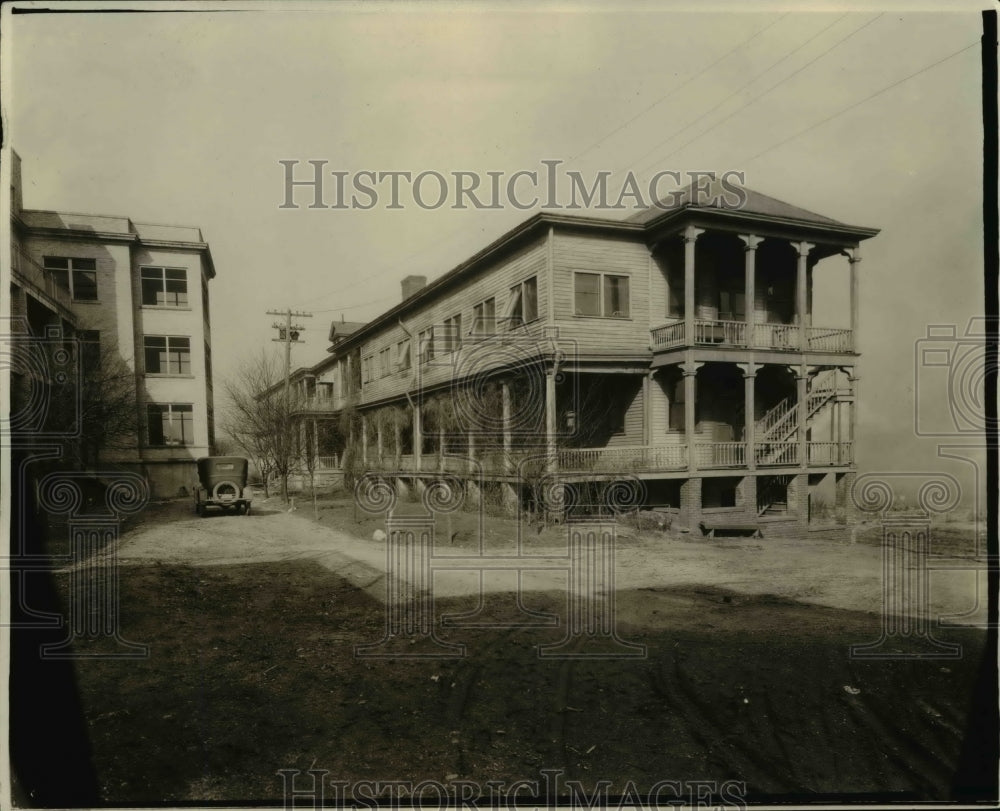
(818, 572)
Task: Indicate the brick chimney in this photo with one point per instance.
(411, 284)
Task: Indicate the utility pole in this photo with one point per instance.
(288, 334)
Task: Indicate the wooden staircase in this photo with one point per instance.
(780, 424)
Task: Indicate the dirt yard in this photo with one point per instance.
(252, 622)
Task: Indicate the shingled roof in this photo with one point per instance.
(718, 198)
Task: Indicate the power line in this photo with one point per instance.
(735, 92)
(681, 86)
(448, 236)
(862, 101)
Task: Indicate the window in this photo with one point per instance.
(384, 365)
(601, 294)
(732, 306)
(523, 307)
(78, 276)
(164, 287)
(170, 424)
(676, 416)
(90, 348)
(484, 317)
(425, 342)
(403, 354)
(366, 369)
(452, 337)
(169, 355)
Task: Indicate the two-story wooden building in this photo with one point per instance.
(678, 346)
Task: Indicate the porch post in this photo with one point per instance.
(750, 243)
(801, 305)
(647, 380)
(852, 415)
(364, 439)
(690, 372)
(749, 423)
(854, 257)
(802, 383)
(418, 435)
(550, 421)
(505, 424)
(690, 235)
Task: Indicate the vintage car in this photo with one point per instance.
(222, 482)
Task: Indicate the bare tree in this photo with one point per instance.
(258, 418)
(102, 403)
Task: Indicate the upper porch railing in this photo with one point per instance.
(714, 332)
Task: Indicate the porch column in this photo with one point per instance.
(750, 243)
(852, 416)
(550, 421)
(854, 257)
(749, 423)
(505, 424)
(690, 372)
(801, 305)
(647, 385)
(690, 235)
(802, 383)
(364, 439)
(418, 435)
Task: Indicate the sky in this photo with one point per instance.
(871, 116)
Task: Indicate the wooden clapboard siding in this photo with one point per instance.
(574, 251)
(494, 280)
(633, 434)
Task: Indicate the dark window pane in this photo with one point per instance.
(85, 264)
(61, 278)
(174, 275)
(616, 296)
(530, 300)
(154, 423)
(588, 294)
(85, 285)
(56, 262)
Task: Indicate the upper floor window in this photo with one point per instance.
(384, 361)
(78, 276)
(164, 287)
(484, 317)
(167, 355)
(523, 307)
(452, 337)
(403, 354)
(426, 344)
(601, 294)
(170, 423)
